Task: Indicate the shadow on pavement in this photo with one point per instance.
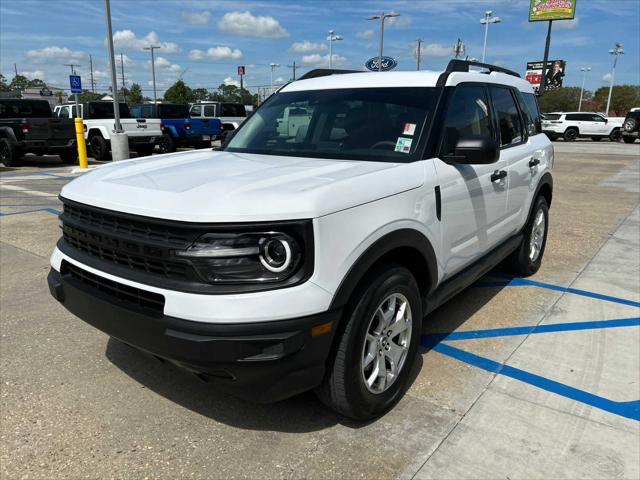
(302, 413)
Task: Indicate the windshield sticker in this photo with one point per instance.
(403, 144)
(409, 129)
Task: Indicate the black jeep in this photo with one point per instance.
(631, 126)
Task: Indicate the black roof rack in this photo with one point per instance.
(456, 65)
(323, 72)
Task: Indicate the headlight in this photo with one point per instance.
(252, 257)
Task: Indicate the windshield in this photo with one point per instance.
(378, 124)
(173, 111)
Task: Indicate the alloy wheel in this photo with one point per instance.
(537, 236)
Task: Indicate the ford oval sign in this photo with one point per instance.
(388, 63)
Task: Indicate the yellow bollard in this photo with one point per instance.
(82, 147)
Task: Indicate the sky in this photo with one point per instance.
(203, 41)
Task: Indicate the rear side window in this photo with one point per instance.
(173, 111)
(529, 107)
(232, 110)
(25, 109)
(552, 116)
(507, 115)
(209, 111)
(579, 117)
(196, 111)
(102, 110)
(467, 114)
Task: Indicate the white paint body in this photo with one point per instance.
(597, 125)
(352, 204)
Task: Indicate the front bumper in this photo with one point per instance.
(258, 361)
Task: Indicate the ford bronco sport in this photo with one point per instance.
(307, 257)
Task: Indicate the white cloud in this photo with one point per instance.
(322, 60)
(231, 81)
(248, 25)
(34, 74)
(216, 53)
(403, 21)
(127, 40)
(164, 65)
(279, 80)
(307, 47)
(606, 77)
(365, 34)
(61, 54)
(566, 24)
(434, 50)
(197, 18)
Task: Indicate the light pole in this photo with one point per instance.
(488, 18)
(616, 52)
(332, 38)
(420, 42)
(584, 77)
(273, 66)
(382, 17)
(151, 48)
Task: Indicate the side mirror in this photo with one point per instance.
(476, 150)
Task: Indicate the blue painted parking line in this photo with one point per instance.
(26, 196)
(31, 205)
(523, 282)
(624, 409)
(435, 338)
(53, 211)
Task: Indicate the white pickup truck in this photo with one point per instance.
(98, 119)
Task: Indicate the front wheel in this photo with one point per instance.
(615, 135)
(370, 369)
(526, 260)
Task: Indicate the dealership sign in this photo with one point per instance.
(555, 73)
(541, 10)
(388, 63)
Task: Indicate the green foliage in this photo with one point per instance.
(623, 98)
(87, 96)
(179, 92)
(135, 94)
(4, 87)
(231, 93)
(200, 94)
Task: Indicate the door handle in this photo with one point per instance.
(498, 175)
(533, 162)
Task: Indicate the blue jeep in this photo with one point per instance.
(178, 129)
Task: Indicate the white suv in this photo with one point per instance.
(307, 257)
(572, 125)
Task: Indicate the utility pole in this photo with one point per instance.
(293, 67)
(73, 67)
(153, 72)
(458, 49)
(420, 42)
(93, 83)
(15, 68)
(124, 93)
(616, 52)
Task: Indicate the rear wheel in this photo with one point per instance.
(99, 147)
(628, 139)
(166, 144)
(526, 260)
(570, 135)
(8, 153)
(370, 369)
(69, 156)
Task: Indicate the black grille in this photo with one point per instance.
(134, 244)
(124, 293)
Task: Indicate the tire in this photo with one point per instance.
(344, 388)
(615, 135)
(570, 135)
(630, 125)
(626, 139)
(145, 150)
(69, 156)
(166, 144)
(203, 144)
(525, 260)
(99, 147)
(8, 153)
(596, 139)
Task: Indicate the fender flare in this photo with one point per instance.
(171, 130)
(403, 238)
(9, 134)
(101, 129)
(545, 180)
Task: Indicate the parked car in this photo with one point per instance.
(178, 129)
(573, 125)
(98, 119)
(631, 126)
(230, 114)
(300, 258)
(28, 126)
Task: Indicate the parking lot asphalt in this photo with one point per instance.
(534, 378)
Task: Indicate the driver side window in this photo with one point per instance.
(467, 114)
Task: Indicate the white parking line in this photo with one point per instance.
(28, 191)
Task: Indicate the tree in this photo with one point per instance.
(19, 82)
(4, 87)
(87, 96)
(135, 94)
(623, 98)
(560, 100)
(179, 92)
(200, 94)
(232, 93)
(36, 83)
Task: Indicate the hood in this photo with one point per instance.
(210, 186)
